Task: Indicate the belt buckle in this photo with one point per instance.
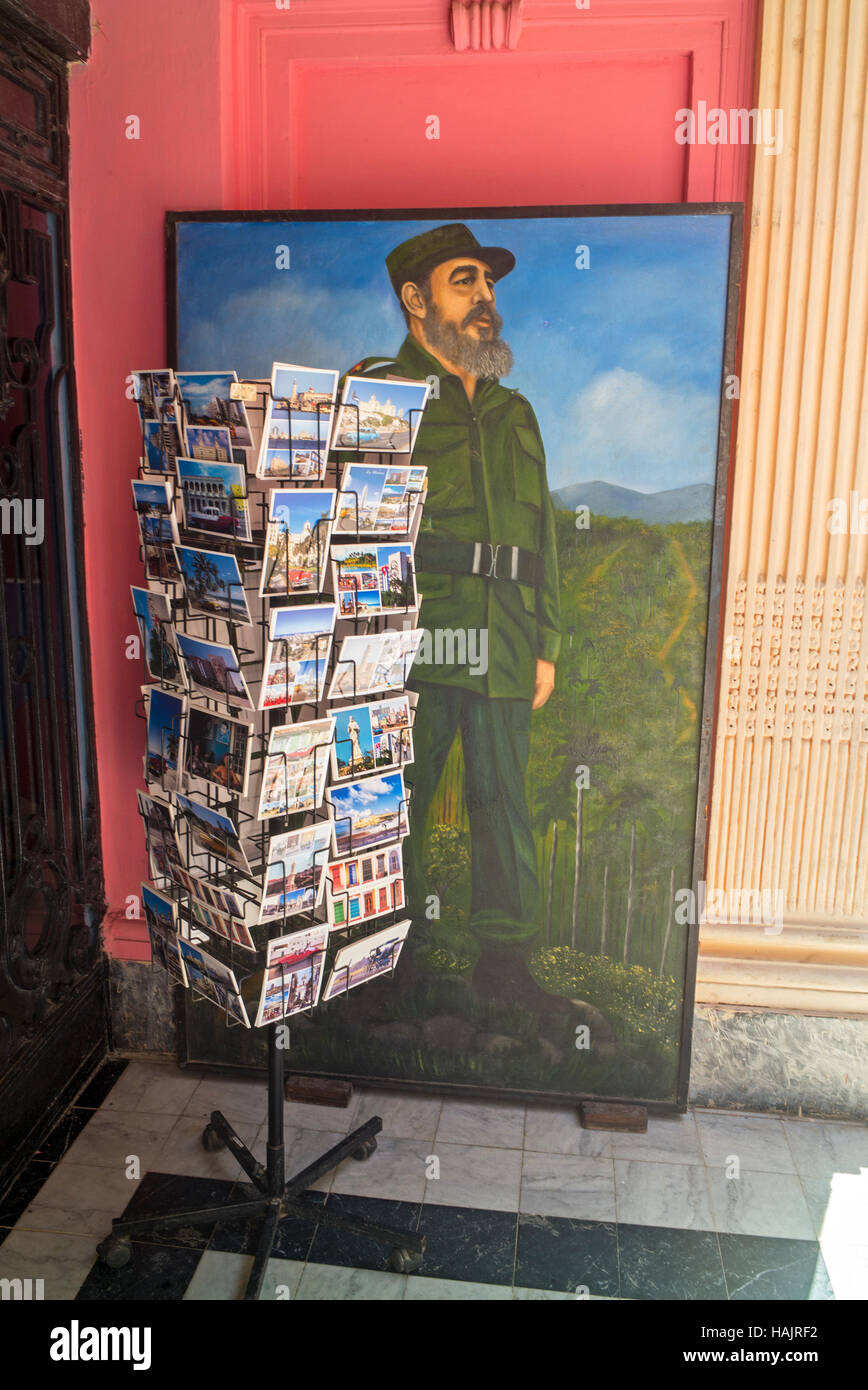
(495, 551)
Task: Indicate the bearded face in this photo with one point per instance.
(461, 324)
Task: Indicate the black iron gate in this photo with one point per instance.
(52, 994)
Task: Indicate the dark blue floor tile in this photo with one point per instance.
(768, 1267)
(469, 1244)
(96, 1090)
(332, 1246)
(18, 1197)
(65, 1132)
(294, 1233)
(661, 1262)
(160, 1193)
(557, 1252)
(156, 1273)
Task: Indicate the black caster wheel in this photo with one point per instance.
(364, 1150)
(404, 1261)
(115, 1251)
(211, 1139)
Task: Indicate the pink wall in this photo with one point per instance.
(245, 105)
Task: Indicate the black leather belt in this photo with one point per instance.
(476, 557)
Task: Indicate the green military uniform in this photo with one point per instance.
(486, 558)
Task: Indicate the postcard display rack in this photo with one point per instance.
(255, 873)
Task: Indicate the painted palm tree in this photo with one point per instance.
(587, 648)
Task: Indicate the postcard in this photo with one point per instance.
(213, 669)
(154, 615)
(294, 775)
(162, 444)
(212, 442)
(298, 654)
(161, 917)
(161, 565)
(214, 980)
(369, 812)
(379, 414)
(370, 580)
(165, 719)
(218, 749)
(379, 499)
(213, 583)
(365, 886)
(207, 401)
(368, 664)
(298, 422)
(294, 875)
(372, 736)
(212, 834)
(219, 900)
(366, 959)
(163, 850)
(297, 541)
(154, 393)
(229, 928)
(154, 503)
(293, 974)
(215, 498)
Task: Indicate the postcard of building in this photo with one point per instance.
(215, 498)
(162, 445)
(161, 918)
(229, 928)
(380, 414)
(364, 886)
(207, 402)
(218, 749)
(297, 656)
(212, 442)
(241, 912)
(213, 584)
(293, 973)
(164, 713)
(297, 541)
(366, 959)
(211, 833)
(154, 394)
(370, 580)
(298, 421)
(294, 874)
(369, 664)
(213, 669)
(211, 978)
(369, 812)
(294, 775)
(163, 850)
(153, 499)
(379, 499)
(159, 648)
(161, 567)
(372, 736)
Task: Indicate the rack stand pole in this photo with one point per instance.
(278, 1198)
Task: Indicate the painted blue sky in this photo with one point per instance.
(621, 362)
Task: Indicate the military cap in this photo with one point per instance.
(416, 258)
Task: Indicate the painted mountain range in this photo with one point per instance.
(693, 503)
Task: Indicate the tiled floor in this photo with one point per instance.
(515, 1201)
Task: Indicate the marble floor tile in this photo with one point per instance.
(161, 1194)
(110, 1138)
(662, 1194)
(18, 1197)
(665, 1263)
(758, 1142)
(476, 1176)
(558, 1130)
(669, 1139)
(396, 1168)
(404, 1116)
(763, 1268)
(242, 1101)
(567, 1185)
(101, 1083)
(337, 1119)
(468, 1245)
(455, 1290)
(498, 1126)
(847, 1266)
(155, 1273)
(334, 1246)
(302, 1146)
(64, 1134)
(62, 1262)
(182, 1150)
(79, 1199)
(223, 1278)
(541, 1295)
(839, 1207)
(331, 1282)
(822, 1148)
(575, 1257)
(148, 1087)
(294, 1235)
(760, 1204)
